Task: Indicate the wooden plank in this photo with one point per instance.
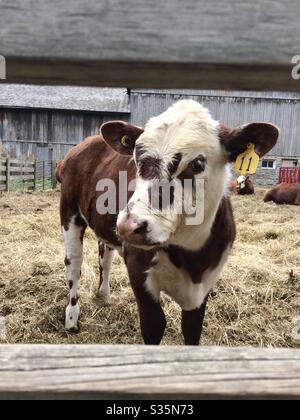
(226, 45)
(22, 177)
(21, 169)
(57, 142)
(72, 98)
(3, 178)
(21, 162)
(141, 372)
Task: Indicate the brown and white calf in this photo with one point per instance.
(162, 251)
(242, 186)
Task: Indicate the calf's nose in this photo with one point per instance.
(130, 226)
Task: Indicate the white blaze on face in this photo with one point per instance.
(241, 182)
(180, 135)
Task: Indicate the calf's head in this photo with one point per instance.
(241, 182)
(180, 149)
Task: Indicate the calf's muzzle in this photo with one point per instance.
(132, 230)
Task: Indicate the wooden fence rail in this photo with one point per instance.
(26, 175)
(140, 372)
(205, 45)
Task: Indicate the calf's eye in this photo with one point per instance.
(198, 166)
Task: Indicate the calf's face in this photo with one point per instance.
(182, 161)
(241, 183)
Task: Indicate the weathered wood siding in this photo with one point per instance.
(232, 108)
(67, 98)
(44, 134)
(47, 135)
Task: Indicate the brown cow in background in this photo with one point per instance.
(284, 194)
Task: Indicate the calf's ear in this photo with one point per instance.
(121, 136)
(235, 141)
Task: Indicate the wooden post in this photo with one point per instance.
(23, 175)
(43, 175)
(53, 174)
(35, 176)
(8, 174)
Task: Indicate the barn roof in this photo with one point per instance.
(220, 93)
(64, 98)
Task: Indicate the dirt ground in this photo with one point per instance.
(254, 304)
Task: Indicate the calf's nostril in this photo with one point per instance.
(141, 229)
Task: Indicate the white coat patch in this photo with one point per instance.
(176, 283)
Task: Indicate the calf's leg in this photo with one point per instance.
(192, 325)
(73, 234)
(106, 255)
(152, 318)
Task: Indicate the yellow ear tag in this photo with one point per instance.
(247, 162)
(127, 142)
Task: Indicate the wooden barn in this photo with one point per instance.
(44, 122)
(236, 108)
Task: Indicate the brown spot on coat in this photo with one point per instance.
(150, 168)
(207, 258)
(173, 166)
(84, 166)
(101, 249)
(67, 261)
(101, 276)
(74, 301)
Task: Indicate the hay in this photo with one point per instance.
(254, 303)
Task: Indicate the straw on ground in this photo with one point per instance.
(255, 303)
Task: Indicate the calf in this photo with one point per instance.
(245, 186)
(284, 194)
(242, 186)
(163, 249)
